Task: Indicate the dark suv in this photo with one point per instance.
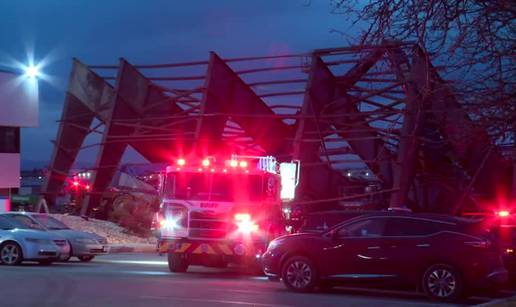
(441, 255)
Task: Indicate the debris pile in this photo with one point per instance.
(113, 232)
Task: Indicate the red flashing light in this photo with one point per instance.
(88, 187)
(76, 183)
(503, 213)
(181, 162)
(205, 162)
(233, 163)
(243, 164)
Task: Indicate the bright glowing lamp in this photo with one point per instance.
(168, 223)
(503, 213)
(245, 224)
(32, 71)
(181, 162)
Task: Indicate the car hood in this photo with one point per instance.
(299, 236)
(71, 234)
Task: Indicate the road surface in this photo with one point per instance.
(144, 280)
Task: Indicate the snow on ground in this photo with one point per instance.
(114, 233)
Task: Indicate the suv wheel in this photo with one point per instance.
(299, 274)
(442, 282)
(176, 263)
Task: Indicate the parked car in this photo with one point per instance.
(443, 256)
(18, 244)
(84, 245)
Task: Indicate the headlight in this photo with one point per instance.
(169, 224)
(245, 224)
(38, 241)
(86, 241)
(273, 244)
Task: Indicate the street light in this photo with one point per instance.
(32, 71)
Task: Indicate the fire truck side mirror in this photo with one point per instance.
(289, 179)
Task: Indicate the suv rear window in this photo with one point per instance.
(400, 227)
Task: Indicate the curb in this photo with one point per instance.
(503, 302)
(132, 248)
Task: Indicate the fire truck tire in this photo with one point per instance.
(176, 263)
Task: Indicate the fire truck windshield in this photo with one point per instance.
(215, 187)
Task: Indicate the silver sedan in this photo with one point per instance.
(17, 245)
(84, 245)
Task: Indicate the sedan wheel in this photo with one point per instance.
(442, 282)
(11, 254)
(299, 274)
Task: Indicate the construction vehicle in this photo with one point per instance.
(218, 211)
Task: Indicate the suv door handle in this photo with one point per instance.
(389, 245)
(423, 245)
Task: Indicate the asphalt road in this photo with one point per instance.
(144, 280)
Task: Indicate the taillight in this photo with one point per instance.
(244, 223)
(479, 244)
(503, 213)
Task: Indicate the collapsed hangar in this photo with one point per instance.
(385, 107)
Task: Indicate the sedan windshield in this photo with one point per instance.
(23, 222)
(50, 222)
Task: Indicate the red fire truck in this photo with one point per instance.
(217, 211)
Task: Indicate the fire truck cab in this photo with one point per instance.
(219, 211)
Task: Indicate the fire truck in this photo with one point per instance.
(217, 211)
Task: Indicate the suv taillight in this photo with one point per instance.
(479, 244)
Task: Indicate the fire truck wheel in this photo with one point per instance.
(177, 264)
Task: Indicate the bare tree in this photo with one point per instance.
(474, 39)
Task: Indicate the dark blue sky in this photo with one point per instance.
(157, 31)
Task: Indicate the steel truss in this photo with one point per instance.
(383, 107)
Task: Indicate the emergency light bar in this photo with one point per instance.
(263, 163)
